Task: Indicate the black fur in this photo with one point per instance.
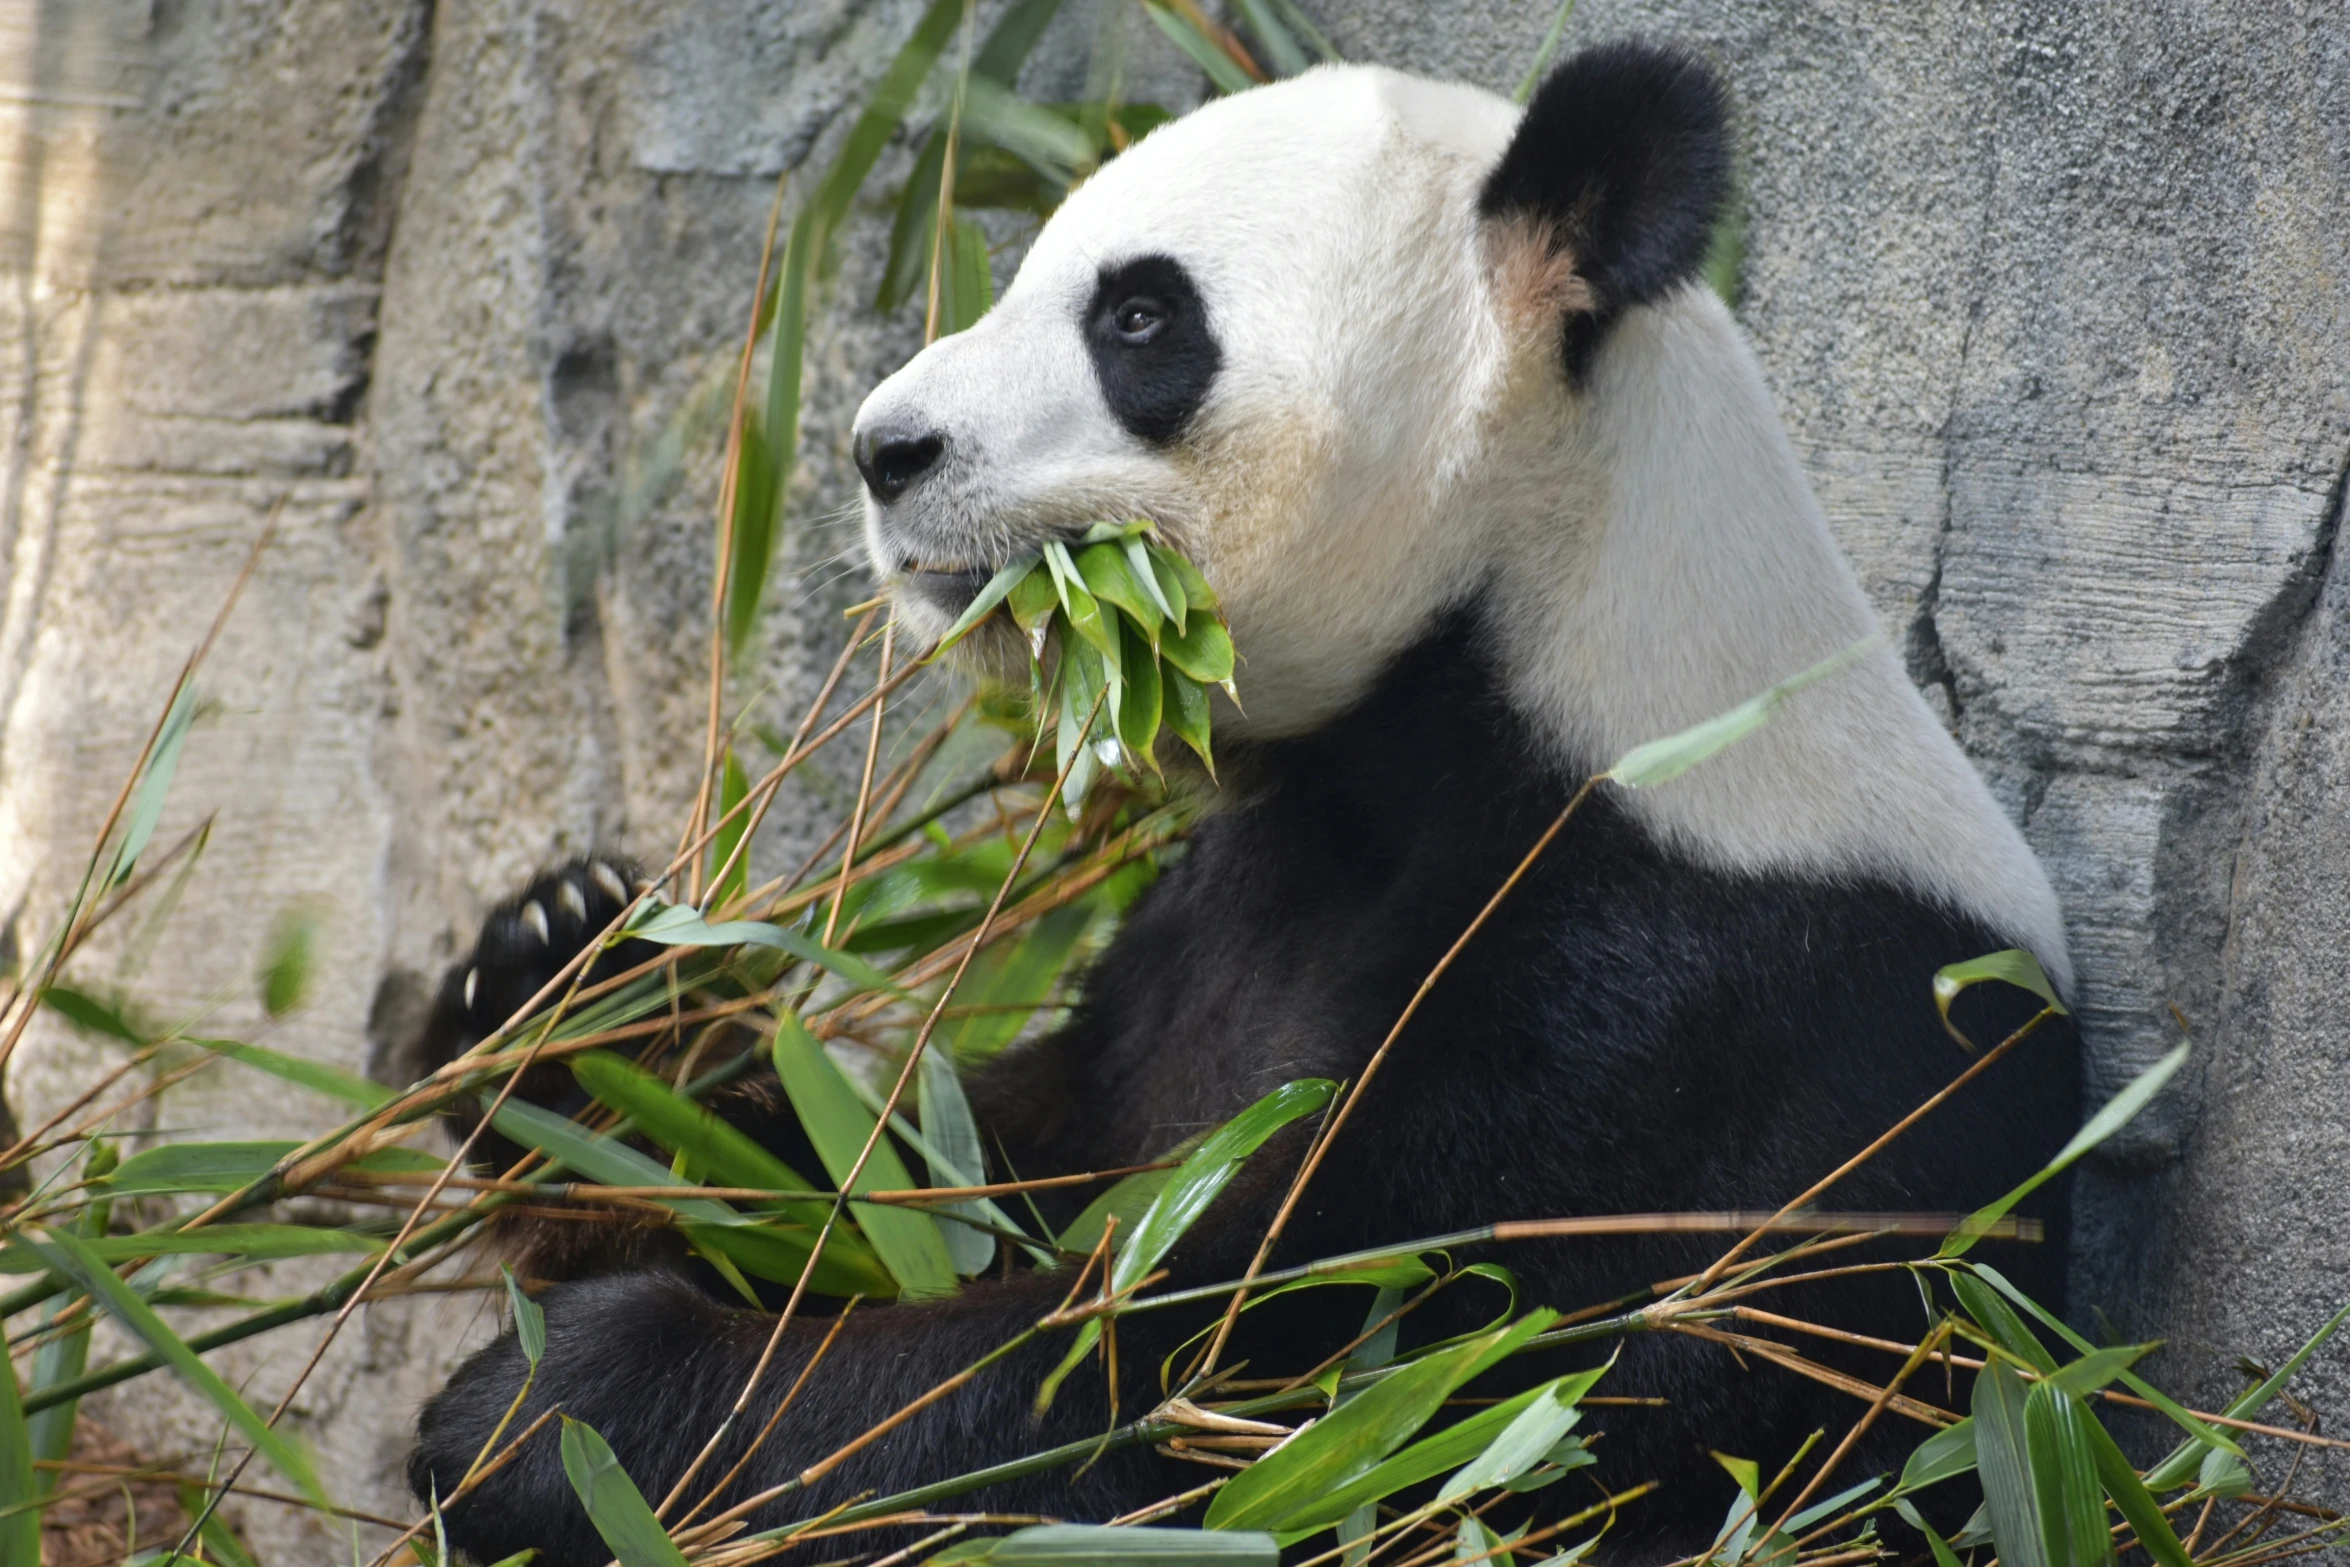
(1624, 157)
(1155, 365)
(1630, 1033)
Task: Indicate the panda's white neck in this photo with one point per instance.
(1681, 565)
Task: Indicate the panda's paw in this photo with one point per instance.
(524, 944)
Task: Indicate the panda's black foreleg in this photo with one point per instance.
(654, 1364)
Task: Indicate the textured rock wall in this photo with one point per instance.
(2054, 297)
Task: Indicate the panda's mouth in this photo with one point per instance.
(949, 587)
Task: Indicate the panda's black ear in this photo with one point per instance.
(1623, 162)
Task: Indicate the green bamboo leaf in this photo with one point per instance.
(1279, 48)
(2014, 967)
(1138, 718)
(1196, 592)
(1947, 1454)
(1033, 600)
(317, 1076)
(91, 1015)
(1008, 981)
(247, 1242)
(1305, 28)
(967, 292)
(1106, 574)
(2118, 1112)
(734, 785)
(1828, 1508)
(614, 1504)
(2003, 1458)
(1203, 650)
(2064, 1472)
(1183, 1199)
(1083, 1544)
(64, 1356)
(1184, 709)
(1138, 561)
(1520, 1446)
(2094, 1370)
(221, 1545)
(2005, 1327)
(598, 1158)
(1126, 1201)
(999, 587)
(71, 1257)
(681, 925)
(2137, 1504)
(907, 1240)
(198, 1167)
(1542, 55)
(2246, 1407)
(1658, 761)
(1050, 143)
(779, 1253)
(715, 1149)
(912, 226)
(1305, 1477)
(286, 962)
(530, 1322)
(20, 1499)
(961, 1159)
(1083, 610)
(758, 489)
(2204, 1434)
(1220, 67)
(154, 785)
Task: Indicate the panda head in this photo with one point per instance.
(1325, 334)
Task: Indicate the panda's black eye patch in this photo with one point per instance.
(1153, 352)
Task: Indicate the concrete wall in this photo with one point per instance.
(2056, 298)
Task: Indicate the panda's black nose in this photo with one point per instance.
(891, 461)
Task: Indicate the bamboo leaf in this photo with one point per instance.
(248, 1242)
(614, 1504)
(1202, 650)
(1220, 67)
(154, 785)
(999, 587)
(1543, 55)
(286, 962)
(20, 1500)
(1659, 761)
(2064, 1472)
(1280, 49)
(1520, 1446)
(2118, 1112)
(714, 1147)
(1947, 1454)
(1187, 1195)
(598, 1158)
(1109, 577)
(1293, 1487)
(1184, 709)
(907, 1240)
(2002, 1455)
(2005, 1327)
(2179, 1464)
(681, 925)
(960, 1159)
(71, 1256)
(733, 786)
(1082, 1544)
(530, 1322)
(2204, 1434)
(317, 1076)
(91, 1015)
(2014, 966)
(2137, 1504)
(1138, 719)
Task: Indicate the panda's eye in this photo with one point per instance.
(1139, 319)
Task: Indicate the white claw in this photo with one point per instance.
(574, 901)
(609, 879)
(472, 984)
(536, 918)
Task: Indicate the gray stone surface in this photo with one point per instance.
(2056, 298)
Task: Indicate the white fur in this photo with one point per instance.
(1389, 435)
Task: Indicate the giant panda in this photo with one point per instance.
(1492, 491)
